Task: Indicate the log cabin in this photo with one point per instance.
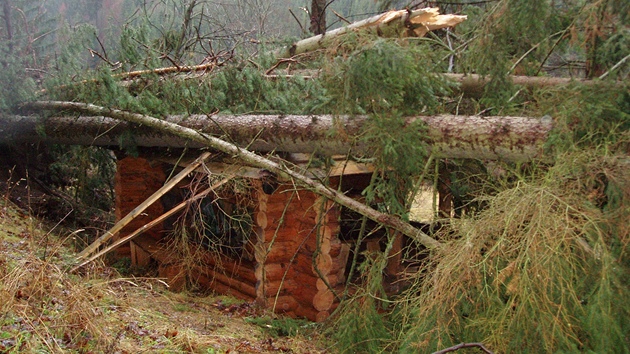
(258, 238)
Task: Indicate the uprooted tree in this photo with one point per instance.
(539, 260)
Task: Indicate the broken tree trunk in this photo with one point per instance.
(247, 157)
(448, 136)
(400, 23)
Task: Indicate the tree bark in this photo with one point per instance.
(318, 17)
(487, 138)
(247, 157)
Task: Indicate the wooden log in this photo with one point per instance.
(274, 271)
(333, 281)
(306, 291)
(221, 288)
(239, 284)
(279, 287)
(283, 304)
(323, 300)
(322, 316)
(277, 252)
(485, 138)
(231, 267)
(174, 275)
(303, 263)
(306, 311)
(261, 219)
(323, 264)
(473, 85)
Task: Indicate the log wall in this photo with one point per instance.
(136, 180)
(300, 260)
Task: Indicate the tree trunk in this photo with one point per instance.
(472, 85)
(6, 10)
(318, 17)
(486, 138)
(249, 158)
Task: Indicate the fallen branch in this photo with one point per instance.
(247, 157)
(151, 224)
(142, 207)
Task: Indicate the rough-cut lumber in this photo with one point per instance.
(449, 136)
(396, 23)
(140, 208)
(250, 158)
(161, 218)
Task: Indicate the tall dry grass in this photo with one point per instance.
(543, 269)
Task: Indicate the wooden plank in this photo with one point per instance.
(140, 208)
(153, 223)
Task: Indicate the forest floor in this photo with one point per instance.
(46, 308)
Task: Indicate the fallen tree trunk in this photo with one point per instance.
(472, 85)
(250, 158)
(487, 138)
(396, 23)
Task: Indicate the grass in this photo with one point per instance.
(46, 309)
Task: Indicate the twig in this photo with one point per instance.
(533, 48)
(298, 21)
(463, 345)
(341, 17)
(103, 58)
(281, 61)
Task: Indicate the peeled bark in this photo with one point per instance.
(249, 158)
(487, 138)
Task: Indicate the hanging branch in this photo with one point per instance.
(249, 158)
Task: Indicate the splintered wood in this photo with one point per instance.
(396, 23)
